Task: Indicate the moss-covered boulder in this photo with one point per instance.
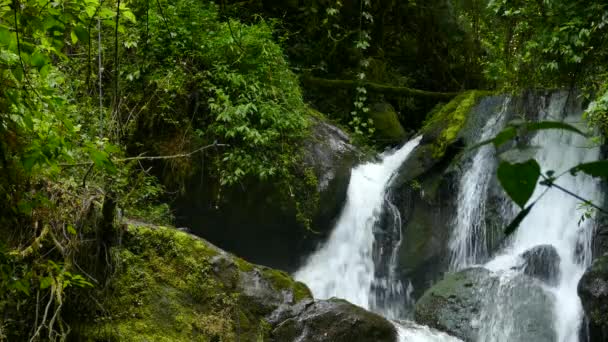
(387, 128)
(593, 291)
(475, 305)
(168, 285)
(333, 320)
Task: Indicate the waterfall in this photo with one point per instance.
(468, 244)
(344, 266)
(554, 221)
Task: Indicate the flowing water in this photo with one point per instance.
(358, 262)
(554, 221)
(468, 244)
(344, 266)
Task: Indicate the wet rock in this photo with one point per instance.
(259, 221)
(542, 262)
(388, 129)
(333, 320)
(471, 305)
(593, 291)
(330, 155)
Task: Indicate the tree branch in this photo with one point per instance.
(377, 87)
(141, 157)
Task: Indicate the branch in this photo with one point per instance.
(140, 157)
(377, 87)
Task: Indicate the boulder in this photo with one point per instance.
(593, 291)
(168, 285)
(333, 320)
(331, 156)
(476, 305)
(542, 262)
(260, 221)
(388, 129)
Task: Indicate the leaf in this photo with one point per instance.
(6, 37)
(18, 73)
(82, 34)
(518, 219)
(74, 37)
(504, 136)
(46, 282)
(500, 139)
(519, 179)
(72, 230)
(101, 160)
(38, 60)
(595, 169)
(535, 126)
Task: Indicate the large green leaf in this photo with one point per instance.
(519, 179)
(596, 169)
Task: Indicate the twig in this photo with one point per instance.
(140, 157)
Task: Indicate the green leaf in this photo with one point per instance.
(102, 161)
(82, 34)
(519, 179)
(535, 126)
(595, 169)
(45, 282)
(38, 60)
(18, 73)
(518, 219)
(504, 136)
(72, 230)
(74, 37)
(6, 37)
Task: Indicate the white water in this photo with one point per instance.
(554, 220)
(468, 243)
(344, 266)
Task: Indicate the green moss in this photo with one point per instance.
(388, 129)
(445, 122)
(167, 287)
(282, 281)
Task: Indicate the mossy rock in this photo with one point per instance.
(388, 129)
(445, 122)
(593, 290)
(171, 286)
(334, 320)
(474, 304)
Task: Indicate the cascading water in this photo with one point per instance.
(468, 243)
(553, 221)
(344, 267)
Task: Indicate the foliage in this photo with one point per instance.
(519, 180)
(541, 43)
(194, 79)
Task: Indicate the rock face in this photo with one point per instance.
(388, 129)
(262, 214)
(464, 302)
(542, 262)
(593, 291)
(331, 156)
(171, 286)
(333, 320)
